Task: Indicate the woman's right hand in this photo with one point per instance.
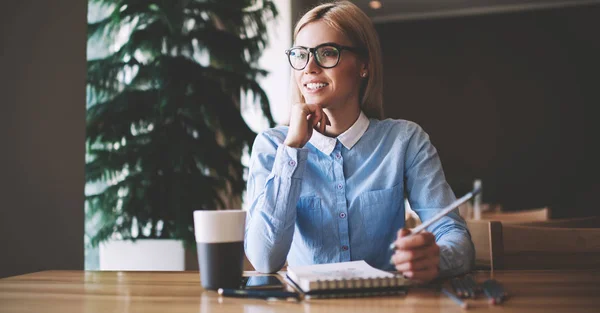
(304, 118)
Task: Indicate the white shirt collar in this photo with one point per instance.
(348, 138)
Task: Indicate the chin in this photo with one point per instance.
(315, 99)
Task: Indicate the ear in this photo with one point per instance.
(363, 67)
(364, 70)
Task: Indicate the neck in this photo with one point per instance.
(341, 119)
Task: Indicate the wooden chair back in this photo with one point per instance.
(532, 247)
(488, 248)
(536, 215)
(487, 239)
(500, 245)
(578, 222)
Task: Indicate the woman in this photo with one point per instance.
(330, 187)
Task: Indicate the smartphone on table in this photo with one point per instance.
(263, 282)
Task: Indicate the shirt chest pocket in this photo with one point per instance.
(309, 221)
(380, 208)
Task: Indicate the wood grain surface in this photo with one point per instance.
(88, 291)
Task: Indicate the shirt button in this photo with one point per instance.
(339, 186)
(345, 248)
(292, 163)
(339, 156)
(342, 215)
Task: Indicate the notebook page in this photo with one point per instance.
(336, 271)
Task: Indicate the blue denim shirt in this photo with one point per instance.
(342, 199)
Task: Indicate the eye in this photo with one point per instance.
(329, 52)
(298, 54)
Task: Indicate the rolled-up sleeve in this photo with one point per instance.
(428, 193)
(274, 185)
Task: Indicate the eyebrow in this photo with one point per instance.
(321, 44)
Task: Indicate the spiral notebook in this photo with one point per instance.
(346, 279)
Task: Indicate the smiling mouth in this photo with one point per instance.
(316, 86)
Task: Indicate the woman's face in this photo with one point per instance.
(332, 88)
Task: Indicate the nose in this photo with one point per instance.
(312, 67)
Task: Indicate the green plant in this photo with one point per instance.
(164, 129)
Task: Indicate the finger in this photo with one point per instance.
(327, 118)
(317, 116)
(319, 127)
(418, 265)
(415, 254)
(415, 241)
(403, 232)
(323, 123)
(308, 110)
(316, 110)
(313, 121)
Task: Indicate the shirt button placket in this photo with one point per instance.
(338, 164)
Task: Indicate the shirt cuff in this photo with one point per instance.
(455, 259)
(290, 162)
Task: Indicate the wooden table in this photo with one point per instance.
(86, 291)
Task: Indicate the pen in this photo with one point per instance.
(458, 289)
(488, 293)
(494, 291)
(441, 214)
(259, 294)
(456, 299)
(471, 285)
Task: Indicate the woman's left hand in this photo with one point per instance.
(417, 256)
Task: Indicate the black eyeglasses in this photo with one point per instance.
(327, 55)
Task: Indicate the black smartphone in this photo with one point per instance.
(263, 282)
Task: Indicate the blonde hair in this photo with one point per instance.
(351, 21)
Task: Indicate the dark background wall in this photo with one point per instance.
(42, 135)
(509, 98)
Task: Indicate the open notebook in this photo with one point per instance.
(346, 279)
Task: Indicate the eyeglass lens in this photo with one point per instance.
(326, 56)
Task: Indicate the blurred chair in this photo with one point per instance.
(578, 222)
(535, 215)
(486, 237)
(500, 245)
(534, 247)
(467, 211)
(486, 233)
(495, 212)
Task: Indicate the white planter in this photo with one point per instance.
(142, 255)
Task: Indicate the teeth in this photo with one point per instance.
(314, 86)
